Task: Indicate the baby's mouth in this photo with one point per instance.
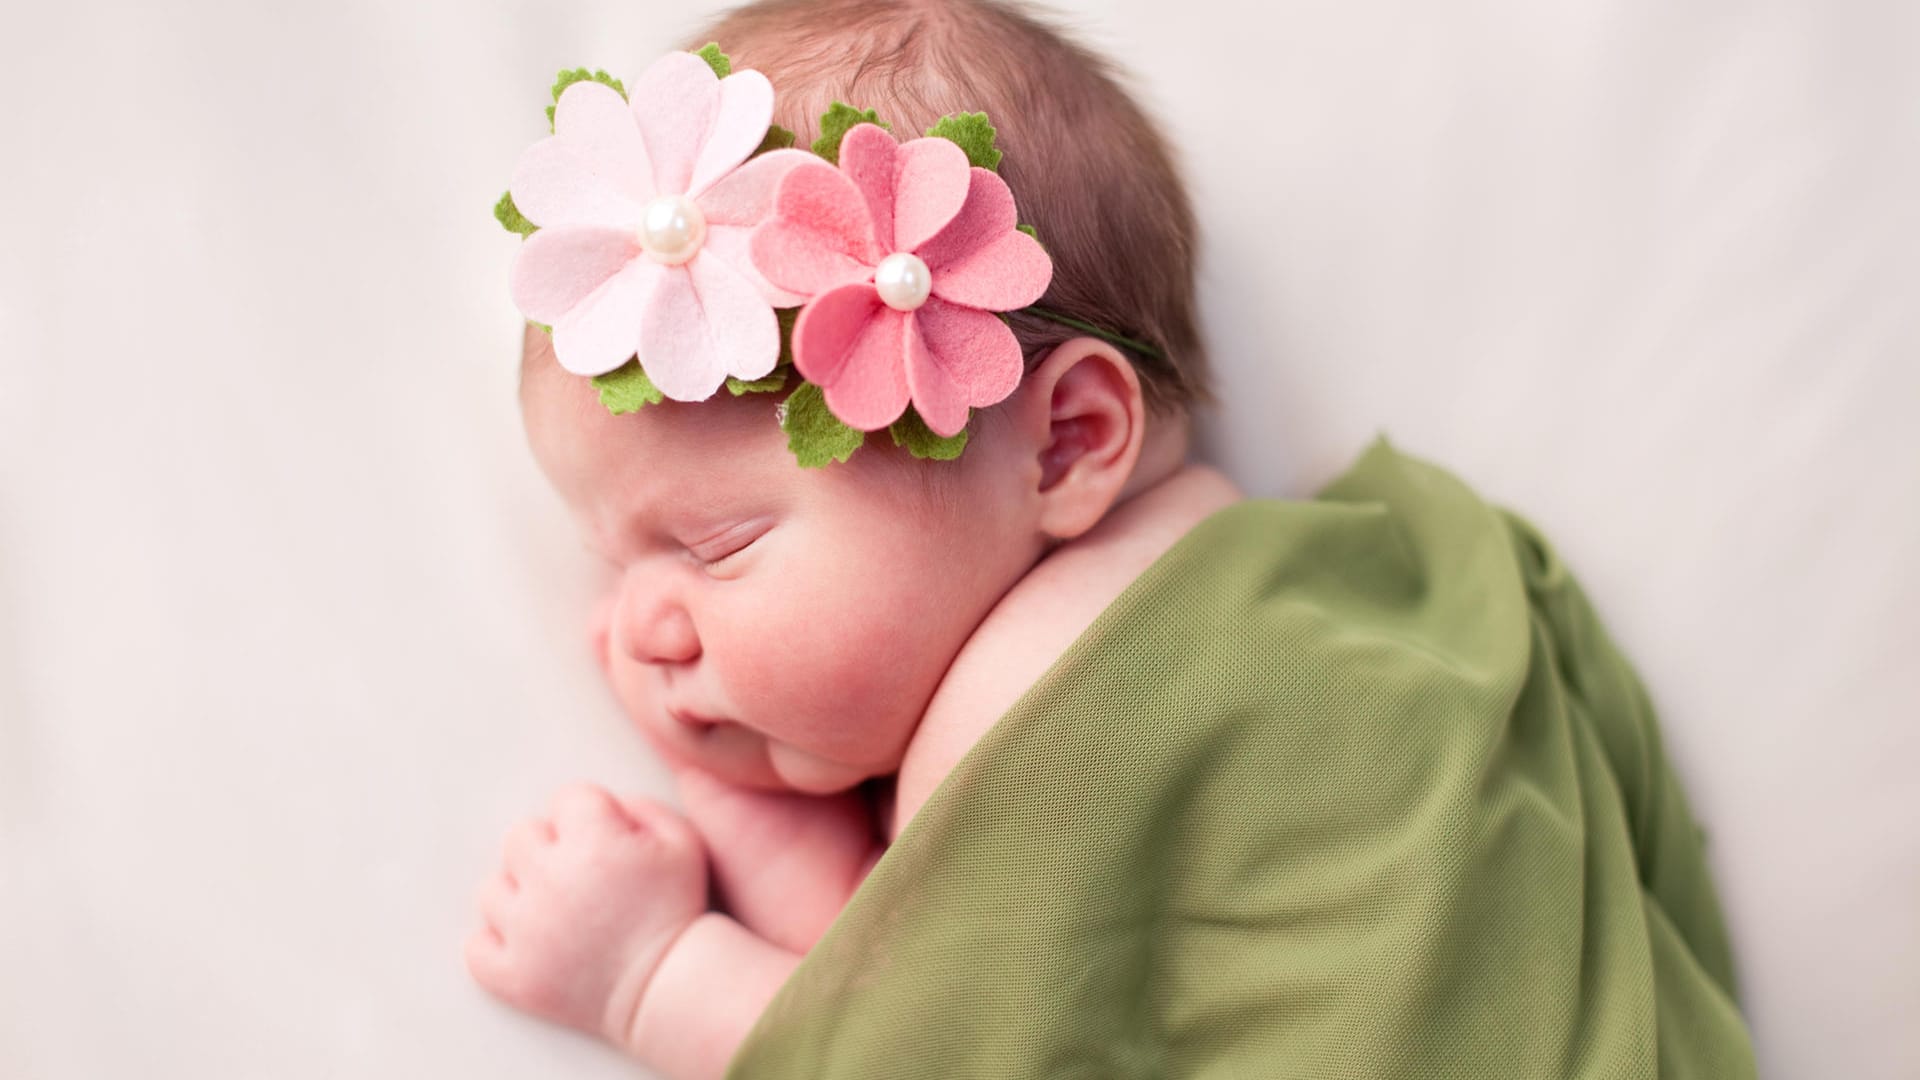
(694, 721)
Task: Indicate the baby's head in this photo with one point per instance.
(784, 626)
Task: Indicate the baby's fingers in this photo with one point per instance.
(587, 808)
(493, 964)
(486, 957)
(498, 900)
(663, 821)
(526, 842)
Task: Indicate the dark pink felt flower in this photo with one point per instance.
(905, 251)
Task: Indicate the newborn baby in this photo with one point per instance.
(1199, 781)
(783, 634)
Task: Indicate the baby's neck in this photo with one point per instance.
(1043, 614)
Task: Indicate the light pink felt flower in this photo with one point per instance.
(645, 213)
(906, 252)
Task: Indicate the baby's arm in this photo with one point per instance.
(598, 921)
(784, 864)
(706, 995)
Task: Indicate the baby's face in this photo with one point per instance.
(777, 626)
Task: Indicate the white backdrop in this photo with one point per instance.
(290, 631)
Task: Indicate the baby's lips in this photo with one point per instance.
(695, 721)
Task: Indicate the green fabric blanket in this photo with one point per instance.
(1350, 787)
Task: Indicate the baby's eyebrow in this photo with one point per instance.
(678, 512)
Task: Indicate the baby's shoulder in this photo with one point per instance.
(1043, 615)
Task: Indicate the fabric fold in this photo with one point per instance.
(1337, 788)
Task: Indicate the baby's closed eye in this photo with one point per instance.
(729, 542)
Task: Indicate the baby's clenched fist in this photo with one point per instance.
(585, 906)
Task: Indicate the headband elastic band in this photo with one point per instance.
(1140, 347)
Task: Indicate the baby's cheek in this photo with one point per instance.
(835, 661)
(863, 692)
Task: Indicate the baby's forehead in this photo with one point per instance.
(602, 463)
(655, 452)
(566, 419)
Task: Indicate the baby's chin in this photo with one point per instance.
(808, 774)
(745, 758)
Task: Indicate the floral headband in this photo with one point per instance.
(676, 242)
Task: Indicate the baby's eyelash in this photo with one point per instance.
(724, 556)
(728, 544)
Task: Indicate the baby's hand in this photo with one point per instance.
(585, 906)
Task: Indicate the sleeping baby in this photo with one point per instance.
(1009, 741)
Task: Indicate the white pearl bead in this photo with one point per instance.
(672, 229)
(903, 281)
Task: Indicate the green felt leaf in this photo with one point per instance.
(717, 60)
(786, 318)
(973, 133)
(814, 434)
(568, 78)
(775, 381)
(543, 326)
(840, 118)
(913, 433)
(626, 389)
(508, 215)
(1028, 229)
(778, 138)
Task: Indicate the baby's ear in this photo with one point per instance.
(1082, 409)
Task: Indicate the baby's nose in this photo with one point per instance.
(654, 629)
(668, 639)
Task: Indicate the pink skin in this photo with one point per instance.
(781, 634)
(585, 907)
(776, 633)
(776, 627)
